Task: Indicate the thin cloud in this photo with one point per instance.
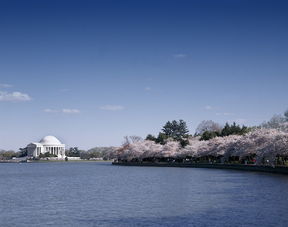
(147, 88)
(180, 55)
(225, 114)
(70, 111)
(15, 96)
(112, 107)
(64, 111)
(50, 110)
(208, 107)
(6, 85)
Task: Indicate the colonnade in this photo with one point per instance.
(55, 150)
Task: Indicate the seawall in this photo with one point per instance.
(268, 169)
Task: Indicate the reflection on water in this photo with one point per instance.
(99, 194)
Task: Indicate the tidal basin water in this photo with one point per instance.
(99, 194)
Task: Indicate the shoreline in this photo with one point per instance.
(253, 168)
(45, 161)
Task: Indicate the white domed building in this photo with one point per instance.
(48, 144)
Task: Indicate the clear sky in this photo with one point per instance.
(91, 72)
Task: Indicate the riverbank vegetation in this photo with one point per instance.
(266, 144)
(10, 154)
(96, 153)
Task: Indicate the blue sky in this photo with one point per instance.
(91, 72)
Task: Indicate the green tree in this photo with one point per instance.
(73, 152)
(234, 129)
(286, 115)
(176, 129)
(207, 135)
(23, 152)
(151, 137)
(85, 155)
(226, 131)
(6, 155)
(184, 142)
(162, 138)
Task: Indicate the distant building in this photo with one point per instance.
(48, 144)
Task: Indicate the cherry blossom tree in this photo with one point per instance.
(265, 145)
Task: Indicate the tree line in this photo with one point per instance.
(264, 144)
(6, 155)
(178, 131)
(105, 153)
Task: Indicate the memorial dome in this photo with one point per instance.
(50, 140)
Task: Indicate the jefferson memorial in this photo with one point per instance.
(48, 144)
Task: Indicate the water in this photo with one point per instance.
(99, 194)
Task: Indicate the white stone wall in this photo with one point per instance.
(73, 158)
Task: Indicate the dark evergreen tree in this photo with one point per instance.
(184, 142)
(209, 135)
(161, 138)
(176, 129)
(23, 152)
(151, 137)
(286, 115)
(234, 130)
(73, 152)
(226, 131)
